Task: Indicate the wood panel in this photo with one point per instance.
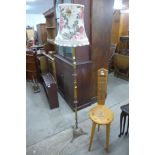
(124, 24)
(120, 26)
(115, 27)
(42, 33)
(31, 68)
(102, 12)
(50, 28)
(50, 87)
(64, 76)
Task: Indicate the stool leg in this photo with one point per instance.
(92, 135)
(124, 124)
(121, 117)
(98, 127)
(127, 126)
(107, 137)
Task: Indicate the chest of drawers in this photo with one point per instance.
(31, 69)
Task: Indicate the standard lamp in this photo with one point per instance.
(72, 33)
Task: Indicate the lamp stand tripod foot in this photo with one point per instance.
(77, 132)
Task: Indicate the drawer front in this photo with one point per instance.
(30, 67)
(30, 58)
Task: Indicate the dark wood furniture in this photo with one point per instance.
(101, 26)
(98, 23)
(121, 58)
(42, 33)
(123, 45)
(64, 71)
(50, 27)
(123, 115)
(46, 63)
(121, 66)
(48, 80)
(42, 64)
(31, 69)
(120, 24)
(50, 87)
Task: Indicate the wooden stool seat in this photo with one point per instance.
(101, 115)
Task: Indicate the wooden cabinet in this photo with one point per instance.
(31, 69)
(64, 71)
(123, 45)
(121, 58)
(42, 33)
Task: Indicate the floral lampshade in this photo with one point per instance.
(71, 31)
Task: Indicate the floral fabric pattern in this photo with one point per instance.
(71, 27)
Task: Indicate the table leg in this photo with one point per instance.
(121, 117)
(127, 126)
(124, 123)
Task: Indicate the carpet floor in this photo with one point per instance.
(48, 132)
(60, 144)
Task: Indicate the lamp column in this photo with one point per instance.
(72, 34)
(75, 86)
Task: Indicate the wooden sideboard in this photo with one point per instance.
(64, 71)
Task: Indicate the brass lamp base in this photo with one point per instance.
(76, 133)
(35, 86)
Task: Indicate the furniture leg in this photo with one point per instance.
(121, 117)
(124, 123)
(98, 127)
(127, 126)
(107, 137)
(92, 135)
(116, 72)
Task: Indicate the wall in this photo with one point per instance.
(34, 19)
